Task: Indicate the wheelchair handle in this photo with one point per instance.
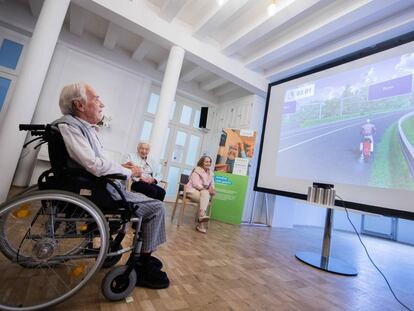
(32, 127)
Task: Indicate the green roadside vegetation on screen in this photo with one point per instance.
(390, 168)
(408, 128)
(338, 109)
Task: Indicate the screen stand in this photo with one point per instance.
(251, 222)
(324, 261)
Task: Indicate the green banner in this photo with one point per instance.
(228, 202)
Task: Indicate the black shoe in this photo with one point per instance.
(151, 277)
(154, 261)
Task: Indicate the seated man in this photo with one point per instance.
(146, 183)
(82, 110)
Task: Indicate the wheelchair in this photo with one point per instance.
(56, 235)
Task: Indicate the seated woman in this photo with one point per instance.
(200, 188)
(147, 182)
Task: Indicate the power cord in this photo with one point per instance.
(369, 257)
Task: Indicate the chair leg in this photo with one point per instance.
(174, 209)
(210, 205)
(180, 218)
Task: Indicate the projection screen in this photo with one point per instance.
(349, 123)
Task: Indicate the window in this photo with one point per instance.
(186, 115)
(178, 151)
(192, 151)
(153, 103)
(146, 131)
(172, 110)
(10, 53)
(4, 86)
(196, 121)
(172, 179)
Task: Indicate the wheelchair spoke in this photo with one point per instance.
(47, 248)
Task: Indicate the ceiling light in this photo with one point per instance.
(271, 9)
(221, 2)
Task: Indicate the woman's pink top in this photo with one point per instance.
(200, 179)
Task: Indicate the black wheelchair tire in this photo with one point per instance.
(115, 286)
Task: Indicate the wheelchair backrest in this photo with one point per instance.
(58, 155)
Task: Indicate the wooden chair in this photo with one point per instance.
(182, 198)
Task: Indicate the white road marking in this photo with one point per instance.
(327, 133)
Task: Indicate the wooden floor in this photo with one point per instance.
(254, 268)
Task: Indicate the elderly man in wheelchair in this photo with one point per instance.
(59, 233)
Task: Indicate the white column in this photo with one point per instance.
(168, 90)
(29, 84)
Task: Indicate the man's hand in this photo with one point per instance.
(136, 171)
(128, 164)
(212, 192)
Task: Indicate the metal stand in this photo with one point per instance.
(251, 222)
(324, 261)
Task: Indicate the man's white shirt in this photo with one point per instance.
(79, 150)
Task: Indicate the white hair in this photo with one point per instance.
(143, 143)
(69, 93)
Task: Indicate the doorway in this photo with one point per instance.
(182, 142)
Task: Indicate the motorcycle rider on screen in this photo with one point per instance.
(367, 144)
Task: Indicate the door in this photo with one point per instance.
(181, 157)
(182, 142)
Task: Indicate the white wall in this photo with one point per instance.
(118, 89)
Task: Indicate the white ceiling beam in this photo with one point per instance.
(192, 74)
(225, 89)
(162, 65)
(141, 18)
(144, 68)
(217, 16)
(389, 28)
(112, 34)
(288, 13)
(338, 20)
(35, 7)
(212, 84)
(171, 8)
(142, 50)
(76, 19)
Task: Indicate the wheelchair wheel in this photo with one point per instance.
(47, 251)
(116, 286)
(29, 189)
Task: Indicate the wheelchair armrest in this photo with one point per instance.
(116, 176)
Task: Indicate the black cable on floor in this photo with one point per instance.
(369, 257)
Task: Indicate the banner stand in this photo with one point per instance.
(258, 224)
(231, 174)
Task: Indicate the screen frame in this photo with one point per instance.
(380, 47)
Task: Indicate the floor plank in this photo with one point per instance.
(254, 268)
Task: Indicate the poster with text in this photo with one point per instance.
(236, 148)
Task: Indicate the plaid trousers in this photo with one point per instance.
(152, 213)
